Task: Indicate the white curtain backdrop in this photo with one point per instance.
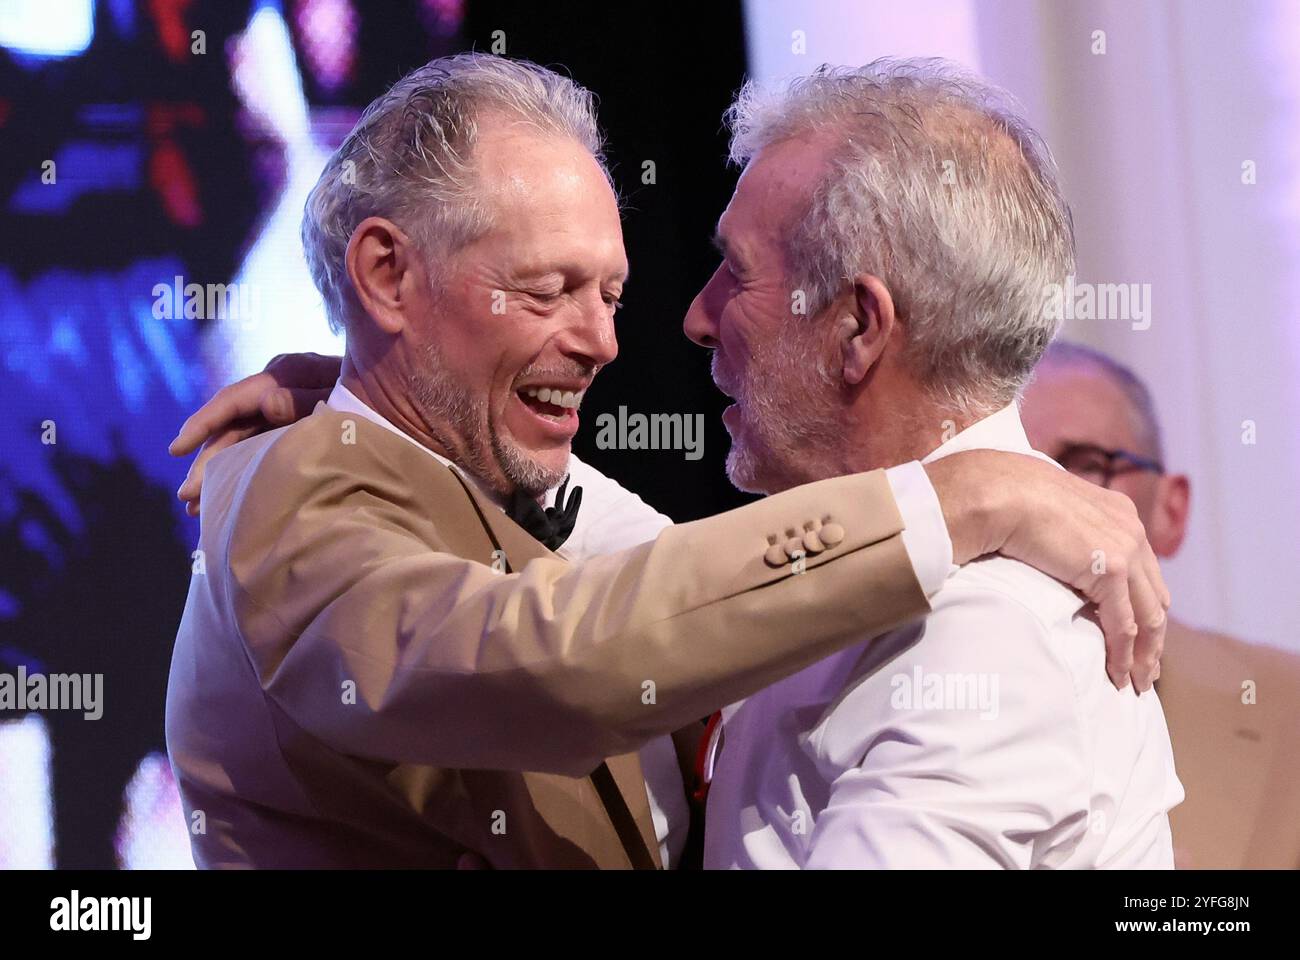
(1157, 138)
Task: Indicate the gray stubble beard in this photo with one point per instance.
(474, 433)
(791, 426)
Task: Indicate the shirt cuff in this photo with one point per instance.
(925, 534)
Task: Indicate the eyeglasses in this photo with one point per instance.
(1100, 466)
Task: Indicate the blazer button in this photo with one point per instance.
(831, 534)
(812, 543)
(775, 555)
(793, 546)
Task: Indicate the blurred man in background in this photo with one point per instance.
(1230, 705)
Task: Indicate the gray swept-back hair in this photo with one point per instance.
(410, 159)
(936, 185)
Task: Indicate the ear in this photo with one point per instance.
(1169, 518)
(863, 327)
(381, 264)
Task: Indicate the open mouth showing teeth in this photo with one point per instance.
(551, 402)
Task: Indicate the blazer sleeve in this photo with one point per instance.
(385, 647)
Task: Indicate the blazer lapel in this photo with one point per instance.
(518, 547)
(516, 543)
(630, 779)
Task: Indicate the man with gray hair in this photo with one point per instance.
(880, 300)
(388, 660)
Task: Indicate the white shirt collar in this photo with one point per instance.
(998, 431)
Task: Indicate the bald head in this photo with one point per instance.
(1081, 396)
(1106, 380)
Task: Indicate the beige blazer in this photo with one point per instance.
(1239, 762)
(354, 685)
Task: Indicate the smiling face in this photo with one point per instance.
(523, 317)
(770, 360)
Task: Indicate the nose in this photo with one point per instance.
(590, 337)
(701, 323)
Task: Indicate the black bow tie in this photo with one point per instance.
(551, 526)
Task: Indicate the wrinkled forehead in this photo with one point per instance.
(774, 190)
(518, 164)
(547, 196)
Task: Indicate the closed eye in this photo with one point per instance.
(724, 252)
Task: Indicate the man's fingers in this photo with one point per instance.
(193, 431)
(1093, 539)
(189, 490)
(235, 402)
(1149, 613)
(307, 370)
(288, 389)
(279, 406)
(287, 404)
(222, 408)
(1131, 608)
(1149, 598)
(1115, 609)
(1132, 597)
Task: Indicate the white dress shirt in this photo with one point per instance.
(986, 735)
(613, 518)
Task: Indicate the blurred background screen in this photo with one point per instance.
(183, 138)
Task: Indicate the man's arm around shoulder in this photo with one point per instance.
(378, 641)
